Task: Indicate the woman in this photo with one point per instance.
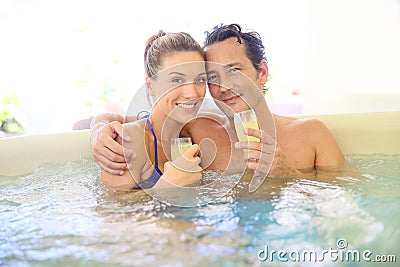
(176, 84)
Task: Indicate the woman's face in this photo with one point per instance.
(180, 85)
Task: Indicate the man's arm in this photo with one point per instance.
(100, 121)
(106, 137)
(103, 119)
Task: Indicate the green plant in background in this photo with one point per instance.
(8, 123)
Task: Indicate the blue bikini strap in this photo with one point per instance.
(147, 116)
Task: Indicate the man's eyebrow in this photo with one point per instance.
(227, 66)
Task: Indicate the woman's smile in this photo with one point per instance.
(187, 106)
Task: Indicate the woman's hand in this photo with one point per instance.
(183, 171)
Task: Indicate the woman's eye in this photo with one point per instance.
(177, 80)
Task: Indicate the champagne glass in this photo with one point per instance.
(246, 119)
(179, 146)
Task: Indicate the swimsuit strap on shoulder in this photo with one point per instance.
(145, 114)
(142, 114)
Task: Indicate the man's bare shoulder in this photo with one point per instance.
(309, 136)
(299, 124)
(207, 126)
(208, 122)
(211, 116)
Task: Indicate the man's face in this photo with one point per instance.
(234, 83)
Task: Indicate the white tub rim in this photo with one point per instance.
(363, 133)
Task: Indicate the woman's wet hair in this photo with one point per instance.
(163, 44)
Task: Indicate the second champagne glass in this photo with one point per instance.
(179, 146)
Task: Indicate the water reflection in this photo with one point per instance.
(62, 213)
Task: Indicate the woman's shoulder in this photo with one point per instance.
(137, 132)
(136, 127)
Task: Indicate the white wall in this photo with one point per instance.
(58, 56)
(354, 57)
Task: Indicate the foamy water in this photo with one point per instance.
(61, 215)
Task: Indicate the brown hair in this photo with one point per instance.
(162, 44)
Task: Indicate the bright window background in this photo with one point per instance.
(70, 60)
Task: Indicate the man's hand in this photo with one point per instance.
(261, 154)
(108, 152)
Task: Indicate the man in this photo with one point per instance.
(297, 146)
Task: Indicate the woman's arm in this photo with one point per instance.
(183, 171)
(123, 182)
(130, 178)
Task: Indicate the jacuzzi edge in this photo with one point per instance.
(373, 132)
(23, 154)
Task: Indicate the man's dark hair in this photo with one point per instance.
(252, 41)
